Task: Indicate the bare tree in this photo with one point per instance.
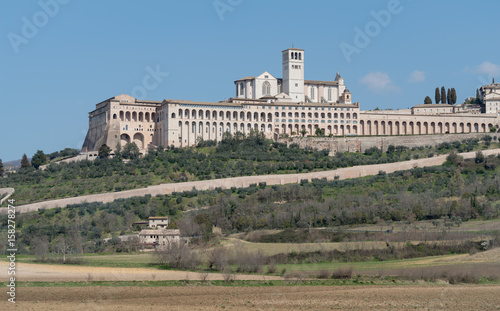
(218, 258)
(62, 247)
(40, 247)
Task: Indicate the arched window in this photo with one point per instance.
(300, 56)
(114, 116)
(266, 88)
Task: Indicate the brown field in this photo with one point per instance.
(28, 272)
(417, 297)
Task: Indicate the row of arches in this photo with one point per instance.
(376, 127)
(134, 116)
(262, 117)
(221, 115)
(311, 129)
(190, 131)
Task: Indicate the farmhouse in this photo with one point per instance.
(160, 237)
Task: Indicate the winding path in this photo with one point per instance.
(245, 181)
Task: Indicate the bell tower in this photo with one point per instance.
(293, 73)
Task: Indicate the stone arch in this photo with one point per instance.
(127, 116)
(354, 115)
(269, 117)
(249, 116)
(139, 140)
(115, 116)
(256, 116)
(122, 116)
(173, 115)
(124, 139)
(141, 116)
(221, 115)
(242, 116)
(153, 117)
(355, 129)
(134, 116)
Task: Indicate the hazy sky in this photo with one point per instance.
(59, 57)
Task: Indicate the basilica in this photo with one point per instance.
(289, 105)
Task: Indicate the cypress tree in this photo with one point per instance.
(427, 100)
(453, 96)
(25, 162)
(443, 95)
(1, 168)
(448, 96)
(437, 95)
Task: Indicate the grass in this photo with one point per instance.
(472, 225)
(141, 260)
(270, 249)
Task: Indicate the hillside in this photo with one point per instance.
(234, 156)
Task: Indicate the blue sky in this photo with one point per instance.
(57, 63)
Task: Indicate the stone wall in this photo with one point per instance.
(239, 182)
(361, 143)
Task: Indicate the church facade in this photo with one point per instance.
(275, 106)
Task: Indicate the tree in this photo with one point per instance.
(25, 162)
(437, 96)
(39, 247)
(130, 151)
(118, 150)
(320, 132)
(427, 100)
(479, 157)
(1, 168)
(303, 132)
(443, 95)
(39, 158)
(448, 96)
(62, 247)
(478, 97)
(453, 96)
(104, 151)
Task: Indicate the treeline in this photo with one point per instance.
(234, 156)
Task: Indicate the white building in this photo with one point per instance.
(490, 95)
